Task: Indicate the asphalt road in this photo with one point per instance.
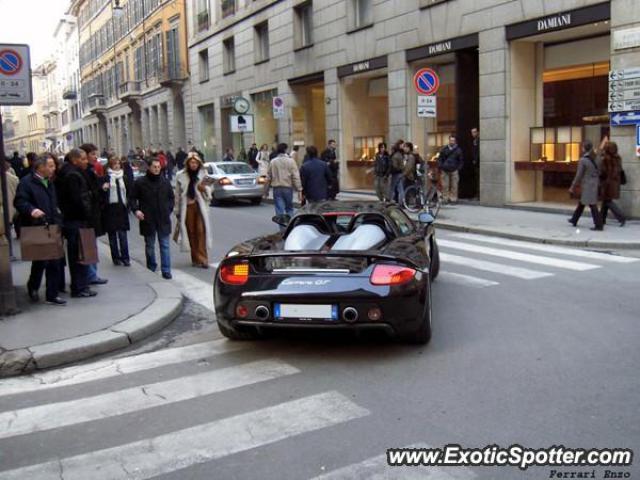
(532, 345)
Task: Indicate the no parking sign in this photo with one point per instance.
(15, 75)
(426, 81)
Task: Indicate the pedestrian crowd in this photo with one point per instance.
(81, 197)
(598, 178)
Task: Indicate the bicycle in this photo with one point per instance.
(416, 198)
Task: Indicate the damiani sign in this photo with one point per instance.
(558, 21)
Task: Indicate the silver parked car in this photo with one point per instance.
(233, 181)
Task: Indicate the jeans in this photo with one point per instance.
(79, 273)
(150, 252)
(396, 187)
(381, 187)
(51, 267)
(119, 252)
(92, 272)
(283, 200)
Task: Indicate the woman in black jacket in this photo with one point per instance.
(115, 216)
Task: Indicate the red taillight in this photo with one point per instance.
(242, 311)
(235, 273)
(225, 181)
(391, 275)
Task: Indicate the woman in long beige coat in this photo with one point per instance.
(193, 195)
(588, 178)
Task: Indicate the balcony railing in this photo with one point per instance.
(203, 21)
(173, 74)
(128, 89)
(69, 93)
(96, 103)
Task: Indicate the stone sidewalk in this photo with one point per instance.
(133, 305)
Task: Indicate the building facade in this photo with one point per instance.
(133, 73)
(66, 53)
(533, 76)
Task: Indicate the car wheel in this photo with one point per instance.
(434, 267)
(238, 332)
(422, 334)
(256, 201)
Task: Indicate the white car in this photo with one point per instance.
(234, 181)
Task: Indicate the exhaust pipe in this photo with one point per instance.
(262, 312)
(350, 315)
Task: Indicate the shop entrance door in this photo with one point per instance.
(468, 117)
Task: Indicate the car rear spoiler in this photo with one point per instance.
(370, 255)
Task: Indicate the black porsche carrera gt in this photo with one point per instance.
(336, 265)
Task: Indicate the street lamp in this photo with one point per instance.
(118, 10)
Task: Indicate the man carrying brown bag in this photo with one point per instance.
(41, 238)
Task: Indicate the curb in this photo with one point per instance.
(455, 227)
(158, 314)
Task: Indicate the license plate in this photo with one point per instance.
(306, 312)
(244, 182)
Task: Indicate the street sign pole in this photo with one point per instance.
(15, 89)
(7, 294)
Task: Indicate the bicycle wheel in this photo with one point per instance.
(433, 201)
(413, 199)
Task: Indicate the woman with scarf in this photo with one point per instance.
(115, 218)
(193, 195)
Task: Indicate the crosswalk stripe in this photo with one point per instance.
(574, 252)
(74, 412)
(377, 468)
(522, 257)
(518, 272)
(203, 443)
(115, 367)
(195, 289)
(465, 280)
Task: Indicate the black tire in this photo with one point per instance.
(422, 334)
(434, 267)
(256, 201)
(238, 333)
(412, 200)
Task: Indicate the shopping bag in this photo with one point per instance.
(88, 251)
(41, 242)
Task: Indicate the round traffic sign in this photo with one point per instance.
(10, 62)
(426, 81)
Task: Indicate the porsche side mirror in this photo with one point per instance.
(425, 218)
(282, 220)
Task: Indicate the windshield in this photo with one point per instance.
(234, 168)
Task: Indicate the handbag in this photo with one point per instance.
(623, 177)
(41, 242)
(88, 251)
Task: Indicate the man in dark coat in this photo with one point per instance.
(329, 156)
(18, 165)
(94, 173)
(451, 161)
(152, 201)
(315, 176)
(37, 204)
(252, 156)
(74, 199)
(181, 157)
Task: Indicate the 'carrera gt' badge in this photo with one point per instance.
(305, 283)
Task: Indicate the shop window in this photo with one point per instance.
(203, 62)
(261, 42)
(303, 24)
(229, 55)
(207, 131)
(361, 13)
(365, 148)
